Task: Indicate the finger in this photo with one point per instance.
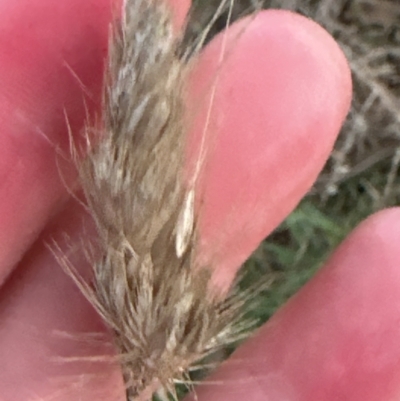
(46, 321)
(40, 272)
(52, 59)
(337, 339)
(284, 87)
(51, 53)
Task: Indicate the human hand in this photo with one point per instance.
(285, 91)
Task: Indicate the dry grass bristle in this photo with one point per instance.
(147, 286)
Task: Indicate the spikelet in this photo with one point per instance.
(147, 287)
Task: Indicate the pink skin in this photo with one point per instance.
(337, 338)
(283, 89)
(52, 54)
(281, 97)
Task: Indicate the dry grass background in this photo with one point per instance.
(361, 175)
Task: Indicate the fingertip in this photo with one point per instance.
(275, 104)
(335, 339)
(53, 55)
(50, 76)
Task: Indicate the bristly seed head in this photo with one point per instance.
(147, 286)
